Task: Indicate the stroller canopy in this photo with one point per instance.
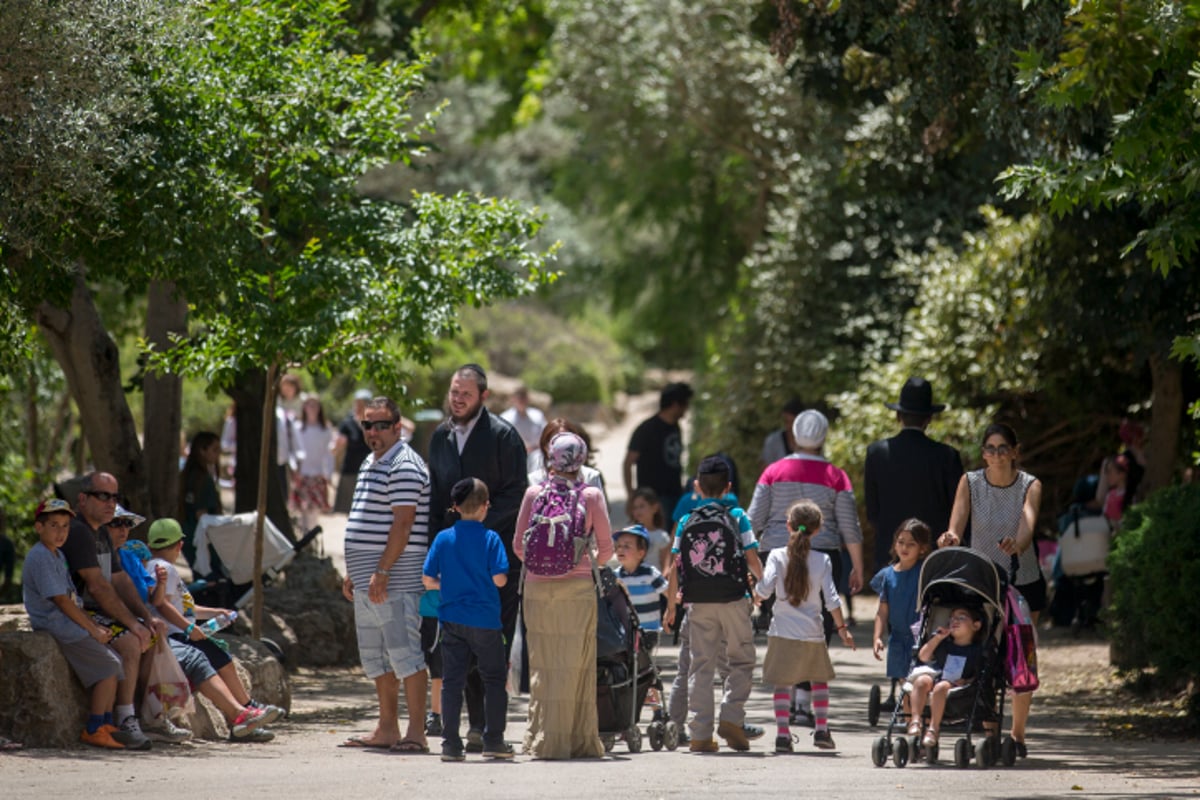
(966, 571)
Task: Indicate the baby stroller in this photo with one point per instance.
(958, 577)
(1082, 558)
(232, 539)
(624, 671)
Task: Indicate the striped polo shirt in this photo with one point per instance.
(804, 477)
(398, 478)
(645, 585)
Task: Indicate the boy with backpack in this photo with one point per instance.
(716, 551)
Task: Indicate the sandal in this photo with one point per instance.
(409, 746)
(931, 738)
(914, 728)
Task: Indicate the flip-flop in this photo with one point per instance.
(359, 741)
(409, 746)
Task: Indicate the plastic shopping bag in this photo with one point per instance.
(168, 694)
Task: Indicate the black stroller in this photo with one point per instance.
(624, 671)
(958, 577)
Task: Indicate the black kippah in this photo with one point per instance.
(461, 491)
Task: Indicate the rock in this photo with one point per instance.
(41, 701)
(307, 616)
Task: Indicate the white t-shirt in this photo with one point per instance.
(175, 592)
(802, 622)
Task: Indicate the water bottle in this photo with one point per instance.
(222, 620)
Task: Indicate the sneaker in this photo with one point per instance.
(504, 750)
(452, 753)
(822, 740)
(103, 737)
(164, 730)
(734, 736)
(474, 741)
(256, 736)
(433, 724)
(250, 719)
(753, 731)
(131, 736)
(783, 744)
(802, 717)
(698, 746)
(270, 713)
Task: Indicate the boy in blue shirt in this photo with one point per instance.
(51, 602)
(467, 564)
(645, 585)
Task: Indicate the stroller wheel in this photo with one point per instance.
(931, 754)
(962, 753)
(916, 750)
(900, 754)
(655, 733)
(671, 735)
(633, 739)
(879, 751)
(1008, 751)
(987, 751)
(873, 705)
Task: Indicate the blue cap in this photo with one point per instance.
(634, 530)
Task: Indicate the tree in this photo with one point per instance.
(274, 123)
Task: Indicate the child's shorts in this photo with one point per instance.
(192, 661)
(92, 661)
(431, 646)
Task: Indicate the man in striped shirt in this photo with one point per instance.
(387, 537)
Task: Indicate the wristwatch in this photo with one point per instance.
(385, 573)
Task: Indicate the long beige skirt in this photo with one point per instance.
(560, 622)
(790, 661)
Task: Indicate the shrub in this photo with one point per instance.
(1154, 568)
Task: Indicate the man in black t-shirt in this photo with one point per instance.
(351, 445)
(656, 447)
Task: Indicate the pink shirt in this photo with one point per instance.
(597, 523)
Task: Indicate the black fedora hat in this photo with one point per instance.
(916, 398)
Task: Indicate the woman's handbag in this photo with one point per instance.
(168, 694)
(1020, 639)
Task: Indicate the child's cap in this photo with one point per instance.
(461, 491)
(713, 465)
(139, 549)
(634, 530)
(123, 513)
(810, 428)
(52, 506)
(567, 452)
(164, 532)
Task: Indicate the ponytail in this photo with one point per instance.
(803, 521)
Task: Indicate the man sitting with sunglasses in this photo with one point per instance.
(109, 596)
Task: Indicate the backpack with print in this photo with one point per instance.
(712, 566)
(557, 535)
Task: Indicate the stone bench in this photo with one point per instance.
(42, 703)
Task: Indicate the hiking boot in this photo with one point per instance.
(433, 724)
(164, 730)
(130, 735)
(246, 722)
(504, 750)
(822, 740)
(452, 753)
(734, 736)
(103, 737)
(256, 736)
(783, 744)
(700, 746)
(474, 741)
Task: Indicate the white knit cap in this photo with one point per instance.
(810, 428)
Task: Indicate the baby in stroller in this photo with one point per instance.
(949, 658)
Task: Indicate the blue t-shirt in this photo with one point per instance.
(45, 575)
(899, 590)
(645, 585)
(465, 558)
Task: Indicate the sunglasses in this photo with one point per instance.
(103, 497)
(121, 523)
(961, 618)
(377, 425)
(993, 450)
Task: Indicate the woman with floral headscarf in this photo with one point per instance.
(560, 620)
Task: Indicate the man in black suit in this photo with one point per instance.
(910, 475)
(474, 443)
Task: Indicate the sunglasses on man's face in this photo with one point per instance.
(103, 497)
(121, 523)
(377, 425)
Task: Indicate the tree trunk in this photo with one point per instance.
(247, 394)
(91, 363)
(1166, 413)
(166, 314)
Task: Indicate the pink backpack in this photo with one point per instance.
(557, 536)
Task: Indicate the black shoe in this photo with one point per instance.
(452, 753)
(474, 741)
(783, 744)
(504, 750)
(433, 724)
(802, 717)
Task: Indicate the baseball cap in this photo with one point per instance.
(52, 506)
(634, 530)
(164, 532)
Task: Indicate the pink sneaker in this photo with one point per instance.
(246, 722)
